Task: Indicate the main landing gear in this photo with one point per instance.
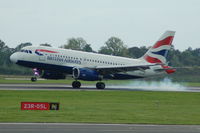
(77, 84)
(100, 85)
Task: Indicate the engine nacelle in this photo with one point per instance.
(85, 74)
(52, 75)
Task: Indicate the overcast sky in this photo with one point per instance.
(136, 22)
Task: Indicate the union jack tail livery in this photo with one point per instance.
(158, 53)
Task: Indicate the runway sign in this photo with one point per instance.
(39, 106)
(54, 106)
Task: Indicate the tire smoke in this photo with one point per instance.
(164, 85)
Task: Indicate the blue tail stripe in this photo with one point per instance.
(162, 53)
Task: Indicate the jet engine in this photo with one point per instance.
(85, 74)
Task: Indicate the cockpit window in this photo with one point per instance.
(26, 51)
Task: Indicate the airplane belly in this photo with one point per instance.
(145, 73)
(120, 76)
(134, 74)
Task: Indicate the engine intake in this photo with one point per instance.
(85, 74)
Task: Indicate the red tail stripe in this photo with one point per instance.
(166, 41)
(169, 71)
(48, 51)
(152, 60)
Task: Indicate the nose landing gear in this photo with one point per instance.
(36, 73)
(33, 79)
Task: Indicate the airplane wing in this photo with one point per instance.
(104, 70)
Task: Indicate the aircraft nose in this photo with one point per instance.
(13, 58)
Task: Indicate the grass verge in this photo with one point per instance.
(11, 81)
(104, 107)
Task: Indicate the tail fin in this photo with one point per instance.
(159, 52)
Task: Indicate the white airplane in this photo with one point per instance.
(56, 63)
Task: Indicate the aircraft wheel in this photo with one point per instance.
(100, 85)
(76, 84)
(33, 79)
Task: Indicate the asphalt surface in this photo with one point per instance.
(95, 128)
(90, 87)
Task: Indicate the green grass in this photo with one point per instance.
(193, 84)
(3, 81)
(104, 107)
(69, 81)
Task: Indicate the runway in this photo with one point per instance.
(95, 128)
(90, 87)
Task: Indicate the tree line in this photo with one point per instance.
(113, 46)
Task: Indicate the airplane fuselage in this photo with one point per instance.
(64, 60)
